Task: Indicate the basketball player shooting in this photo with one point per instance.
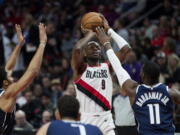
(92, 79)
(152, 102)
(9, 89)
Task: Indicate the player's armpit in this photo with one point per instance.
(130, 87)
(21, 84)
(175, 95)
(43, 129)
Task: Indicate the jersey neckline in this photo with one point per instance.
(153, 86)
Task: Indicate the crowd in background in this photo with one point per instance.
(156, 38)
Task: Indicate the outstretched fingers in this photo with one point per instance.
(42, 33)
(20, 36)
(102, 36)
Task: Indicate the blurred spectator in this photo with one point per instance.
(52, 48)
(169, 46)
(37, 91)
(46, 117)
(132, 66)
(148, 28)
(56, 90)
(33, 109)
(67, 72)
(147, 49)
(21, 100)
(173, 68)
(46, 83)
(164, 26)
(21, 122)
(161, 60)
(46, 102)
(157, 38)
(174, 27)
(70, 90)
(67, 43)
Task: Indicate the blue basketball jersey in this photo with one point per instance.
(153, 110)
(58, 127)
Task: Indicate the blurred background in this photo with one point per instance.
(150, 26)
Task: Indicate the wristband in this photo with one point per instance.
(42, 43)
(105, 43)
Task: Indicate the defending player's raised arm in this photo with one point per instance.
(123, 77)
(122, 44)
(12, 59)
(77, 60)
(33, 67)
(175, 95)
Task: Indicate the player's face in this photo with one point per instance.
(93, 50)
(8, 82)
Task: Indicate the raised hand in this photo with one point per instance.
(105, 23)
(42, 33)
(102, 36)
(21, 39)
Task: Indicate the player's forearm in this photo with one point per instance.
(36, 61)
(121, 42)
(84, 41)
(121, 73)
(12, 59)
(30, 73)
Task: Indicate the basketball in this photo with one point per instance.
(91, 20)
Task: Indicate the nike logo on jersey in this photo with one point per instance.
(96, 74)
(152, 95)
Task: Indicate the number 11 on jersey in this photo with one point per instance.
(154, 113)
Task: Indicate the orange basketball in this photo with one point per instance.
(91, 20)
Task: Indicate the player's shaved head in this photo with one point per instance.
(68, 106)
(151, 72)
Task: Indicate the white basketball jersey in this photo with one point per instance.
(94, 89)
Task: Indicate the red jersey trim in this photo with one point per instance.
(93, 94)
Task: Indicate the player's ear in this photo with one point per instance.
(83, 51)
(57, 115)
(5, 83)
(79, 116)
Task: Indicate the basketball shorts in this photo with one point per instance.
(102, 120)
